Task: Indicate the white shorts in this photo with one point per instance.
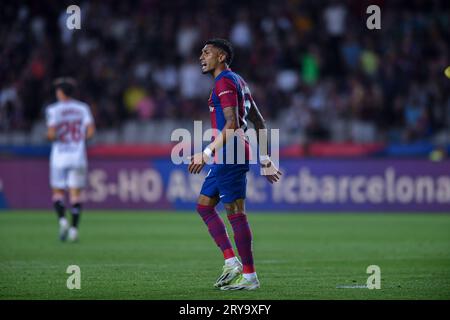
(68, 177)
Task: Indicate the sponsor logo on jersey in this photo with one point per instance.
(225, 92)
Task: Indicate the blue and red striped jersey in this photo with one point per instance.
(230, 91)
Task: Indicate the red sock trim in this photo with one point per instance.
(248, 269)
(234, 215)
(228, 253)
(201, 206)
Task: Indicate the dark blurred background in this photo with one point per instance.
(314, 68)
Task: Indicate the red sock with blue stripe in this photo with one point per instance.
(216, 229)
(243, 239)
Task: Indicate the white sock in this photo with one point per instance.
(231, 261)
(63, 222)
(250, 276)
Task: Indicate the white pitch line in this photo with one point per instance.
(351, 286)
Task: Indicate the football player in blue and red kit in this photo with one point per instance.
(230, 105)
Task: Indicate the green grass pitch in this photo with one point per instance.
(168, 255)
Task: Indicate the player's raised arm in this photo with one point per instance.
(270, 171)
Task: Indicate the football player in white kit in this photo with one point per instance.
(69, 125)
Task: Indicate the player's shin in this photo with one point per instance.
(58, 205)
(217, 230)
(243, 240)
(75, 210)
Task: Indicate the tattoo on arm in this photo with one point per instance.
(230, 115)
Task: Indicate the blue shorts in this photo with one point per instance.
(228, 181)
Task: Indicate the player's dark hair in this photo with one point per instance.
(67, 85)
(225, 46)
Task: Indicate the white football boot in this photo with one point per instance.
(229, 273)
(241, 283)
(73, 234)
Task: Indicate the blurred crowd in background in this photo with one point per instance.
(311, 65)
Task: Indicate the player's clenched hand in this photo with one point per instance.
(270, 171)
(197, 163)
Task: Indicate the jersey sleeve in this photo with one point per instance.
(88, 119)
(247, 94)
(50, 116)
(226, 91)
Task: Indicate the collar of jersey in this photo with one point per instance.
(222, 74)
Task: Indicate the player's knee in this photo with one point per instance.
(237, 206)
(76, 197)
(233, 209)
(203, 209)
(57, 195)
